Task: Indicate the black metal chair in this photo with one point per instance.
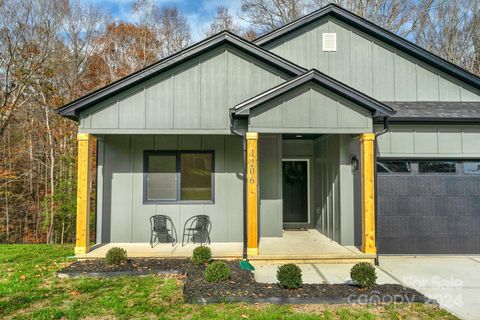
(159, 226)
(197, 227)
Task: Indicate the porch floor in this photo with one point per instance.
(298, 246)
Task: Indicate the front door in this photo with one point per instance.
(295, 191)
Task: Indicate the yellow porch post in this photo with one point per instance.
(84, 178)
(252, 193)
(367, 141)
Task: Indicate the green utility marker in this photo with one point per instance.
(245, 265)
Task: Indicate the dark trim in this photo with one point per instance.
(177, 154)
(430, 120)
(377, 32)
(242, 134)
(72, 109)
(378, 108)
(417, 158)
(386, 128)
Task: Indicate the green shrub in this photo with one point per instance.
(364, 275)
(201, 255)
(217, 271)
(116, 256)
(289, 276)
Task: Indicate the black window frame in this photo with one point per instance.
(177, 154)
(408, 162)
(455, 162)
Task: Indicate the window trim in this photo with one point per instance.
(177, 154)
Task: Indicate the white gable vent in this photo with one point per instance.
(329, 42)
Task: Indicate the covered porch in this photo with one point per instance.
(307, 121)
(294, 246)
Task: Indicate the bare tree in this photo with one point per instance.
(123, 48)
(398, 16)
(82, 24)
(223, 20)
(168, 23)
(267, 15)
(26, 32)
(452, 31)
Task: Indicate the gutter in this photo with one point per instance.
(386, 128)
(244, 178)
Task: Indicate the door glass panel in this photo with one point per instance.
(436, 167)
(196, 175)
(295, 191)
(471, 167)
(162, 177)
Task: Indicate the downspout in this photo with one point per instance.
(386, 128)
(244, 178)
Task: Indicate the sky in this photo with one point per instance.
(199, 13)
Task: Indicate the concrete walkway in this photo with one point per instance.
(454, 281)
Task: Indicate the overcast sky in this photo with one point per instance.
(198, 12)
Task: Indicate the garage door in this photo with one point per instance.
(428, 207)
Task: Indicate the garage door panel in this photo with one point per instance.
(399, 187)
(429, 245)
(429, 212)
(427, 206)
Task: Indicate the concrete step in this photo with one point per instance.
(317, 258)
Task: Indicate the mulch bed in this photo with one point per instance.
(242, 287)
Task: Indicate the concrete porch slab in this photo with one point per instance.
(307, 246)
(302, 242)
(223, 250)
(303, 246)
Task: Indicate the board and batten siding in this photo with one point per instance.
(122, 216)
(369, 65)
(310, 109)
(270, 185)
(190, 98)
(430, 141)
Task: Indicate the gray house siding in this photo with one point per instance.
(335, 210)
(310, 109)
(124, 216)
(327, 190)
(192, 98)
(270, 184)
(369, 65)
(430, 141)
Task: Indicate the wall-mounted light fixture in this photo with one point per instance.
(354, 163)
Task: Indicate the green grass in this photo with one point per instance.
(30, 290)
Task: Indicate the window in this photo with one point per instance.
(436, 167)
(471, 167)
(176, 176)
(393, 166)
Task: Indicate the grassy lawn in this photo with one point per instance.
(30, 290)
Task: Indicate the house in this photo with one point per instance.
(306, 111)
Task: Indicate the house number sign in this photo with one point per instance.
(251, 166)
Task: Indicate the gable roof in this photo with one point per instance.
(377, 32)
(72, 109)
(434, 111)
(376, 107)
